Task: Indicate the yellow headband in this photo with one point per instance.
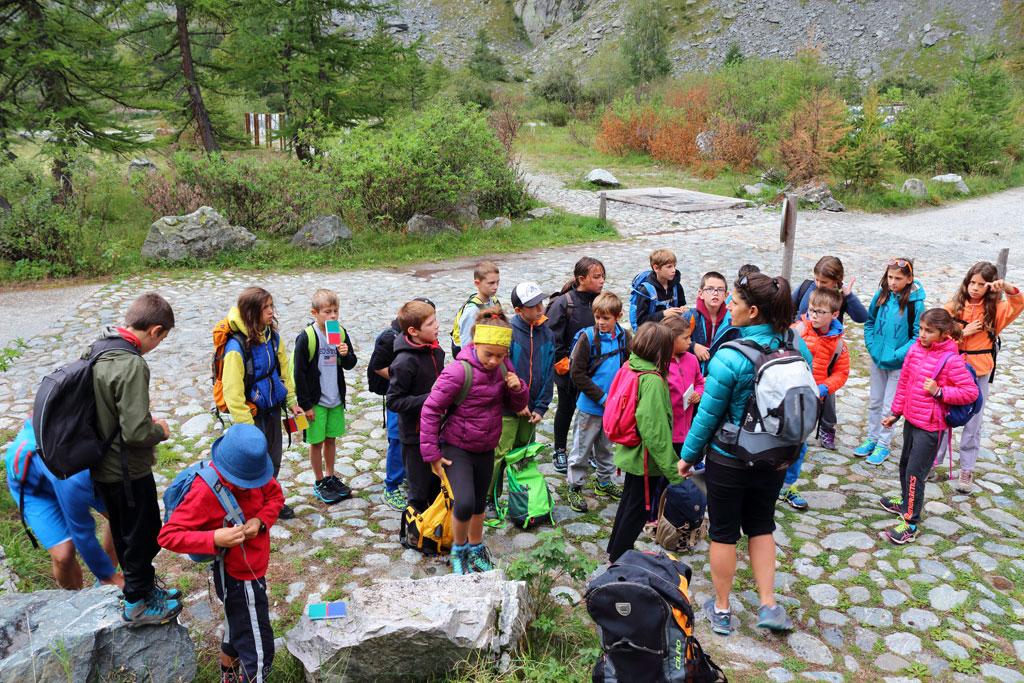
(492, 334)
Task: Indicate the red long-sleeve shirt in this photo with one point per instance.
(192, 524)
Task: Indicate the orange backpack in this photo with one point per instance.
(222, 333)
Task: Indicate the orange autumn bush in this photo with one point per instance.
(812, 135)
(735, 144)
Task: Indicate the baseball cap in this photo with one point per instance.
(527, 294)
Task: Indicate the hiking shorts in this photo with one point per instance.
(740, 499)
(44, 517)
(327, 423)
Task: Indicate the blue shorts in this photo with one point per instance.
(42, 513)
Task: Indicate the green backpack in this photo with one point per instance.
(529, 500)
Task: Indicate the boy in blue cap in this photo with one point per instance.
(197, 525)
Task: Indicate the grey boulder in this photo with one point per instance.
(914, 187)
(466, 213)
(540, 212)
(200, 234)
(43, 632)
(818, 193)
(497, 223)
(705, 142)
(422, 224)
(954, 180)
(599, 176)
(414, 629)
(142, 164)
(322, 231)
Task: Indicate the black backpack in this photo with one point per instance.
(375, 382)
(642, 609)
(64, 414)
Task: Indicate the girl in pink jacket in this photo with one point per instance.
(459, 430)
(683, 373)
(933, 376)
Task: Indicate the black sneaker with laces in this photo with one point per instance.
(340, 487)
(560, 460)
(286, 512)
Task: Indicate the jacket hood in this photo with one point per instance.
(639, 364)
(835, 329)
(110, 332)
(944, 346)
(404, 345)
(519, 324)
(395, 327)
(757, 331)
(703, 310)
(653, 279)
(235, 320)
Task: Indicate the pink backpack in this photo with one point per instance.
(620, 407)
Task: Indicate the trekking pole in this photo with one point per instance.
(1004, 256)
(787, 235)
(602, 206)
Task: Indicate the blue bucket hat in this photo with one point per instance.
(241, 457)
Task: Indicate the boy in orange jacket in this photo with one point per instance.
(823, 334)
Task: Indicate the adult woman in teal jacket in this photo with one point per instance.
(738, 497)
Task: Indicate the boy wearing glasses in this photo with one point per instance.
(710, 316)
(823, 334)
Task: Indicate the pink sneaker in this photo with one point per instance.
(966, 482)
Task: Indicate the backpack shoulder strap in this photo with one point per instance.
(942, 363)
(835, 356)
(224, 496)
(801, 291)
(750, 350)
(911, 311)
(311, 343)
(467, 383)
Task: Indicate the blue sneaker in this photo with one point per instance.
(865, 449)
(774, 618)
(879, 455)
(154, 609)
(460, 559)
(795, 500)
(478, 558)
(720, 623)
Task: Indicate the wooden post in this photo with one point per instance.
(1004, 256)
(602, 207)
(787, 235)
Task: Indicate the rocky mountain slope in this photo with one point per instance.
(861, 37)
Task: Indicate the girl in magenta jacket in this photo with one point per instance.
(933, 376)
(459, 440)
(683, 373)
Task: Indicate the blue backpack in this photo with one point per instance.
(182, 484)
(643, 296)
(958, 416)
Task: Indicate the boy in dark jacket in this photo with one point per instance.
(320, 391)
(124, 477)
(197, 525)
(378, 376)
(418, 362)
(660, 294)
(533, 356)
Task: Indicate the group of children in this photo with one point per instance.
(460, 420)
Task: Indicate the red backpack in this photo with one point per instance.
(620, 407)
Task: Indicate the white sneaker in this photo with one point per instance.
(966, 482)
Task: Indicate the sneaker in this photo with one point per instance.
(324, 491)
(720, 623)
(865, 449)
(460, 559)
(286, 512)
(795, 500)
(699, 467)
(879, 455)
(608, 489)
(966, 482)
(560, 460)
(893, 504)
(592, 462)
(340, 487)
(933, 474)
(153, 609)
(827, 440)
(774, 618)
(395, 499)
(478, 558)
(231, 675)
(902, 533)
(160, 588)
(577, 503)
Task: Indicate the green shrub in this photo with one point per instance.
(483, 62)
(552, 113)
(560, 84)
(37, 234)
(646, 40)
(426, 162)
(869, 154)
(469, 89)
(605, 74)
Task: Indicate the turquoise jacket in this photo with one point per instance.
(887, 333)
(727, 387)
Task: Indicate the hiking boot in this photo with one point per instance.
(865, 449)
(827, 440)
(608, 489)
(879, 455)
(893, 504)
(902, 533)
(340, 487)
(720, 623)
(560, 461)
(286, 512)
(460, 559)
(774, 618)
(153, 609)
(478, 558)
(395, 499)
(577, 503)
(324, 491)
(965, 484)
(795, 500)
(160, 588)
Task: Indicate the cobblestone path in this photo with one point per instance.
(948, 606)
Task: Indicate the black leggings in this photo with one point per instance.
(567, 395)
(632, 513)
(470, 477)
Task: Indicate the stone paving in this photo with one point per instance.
(945, 608)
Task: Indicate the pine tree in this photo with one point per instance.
(869, 154)
(645, 42)
(484, 63)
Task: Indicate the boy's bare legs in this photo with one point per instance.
(66, 569)
(316, 460)
(330, 450)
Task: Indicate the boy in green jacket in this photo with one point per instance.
(651, 354)
(124, 477)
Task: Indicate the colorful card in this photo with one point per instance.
(326, 610)
(301, 422)
(333, 328)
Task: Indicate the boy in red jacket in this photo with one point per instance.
(241, 459)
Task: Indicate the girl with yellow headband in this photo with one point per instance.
(458, 437)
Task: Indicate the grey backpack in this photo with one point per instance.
(782, 410)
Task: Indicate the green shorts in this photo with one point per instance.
(327, 423)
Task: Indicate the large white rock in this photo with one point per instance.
(599, 176)
(955, 180)
(413, 630)
(200, 234)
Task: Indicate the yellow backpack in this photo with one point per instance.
(430, 531)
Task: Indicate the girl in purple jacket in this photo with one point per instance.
(460, 437)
